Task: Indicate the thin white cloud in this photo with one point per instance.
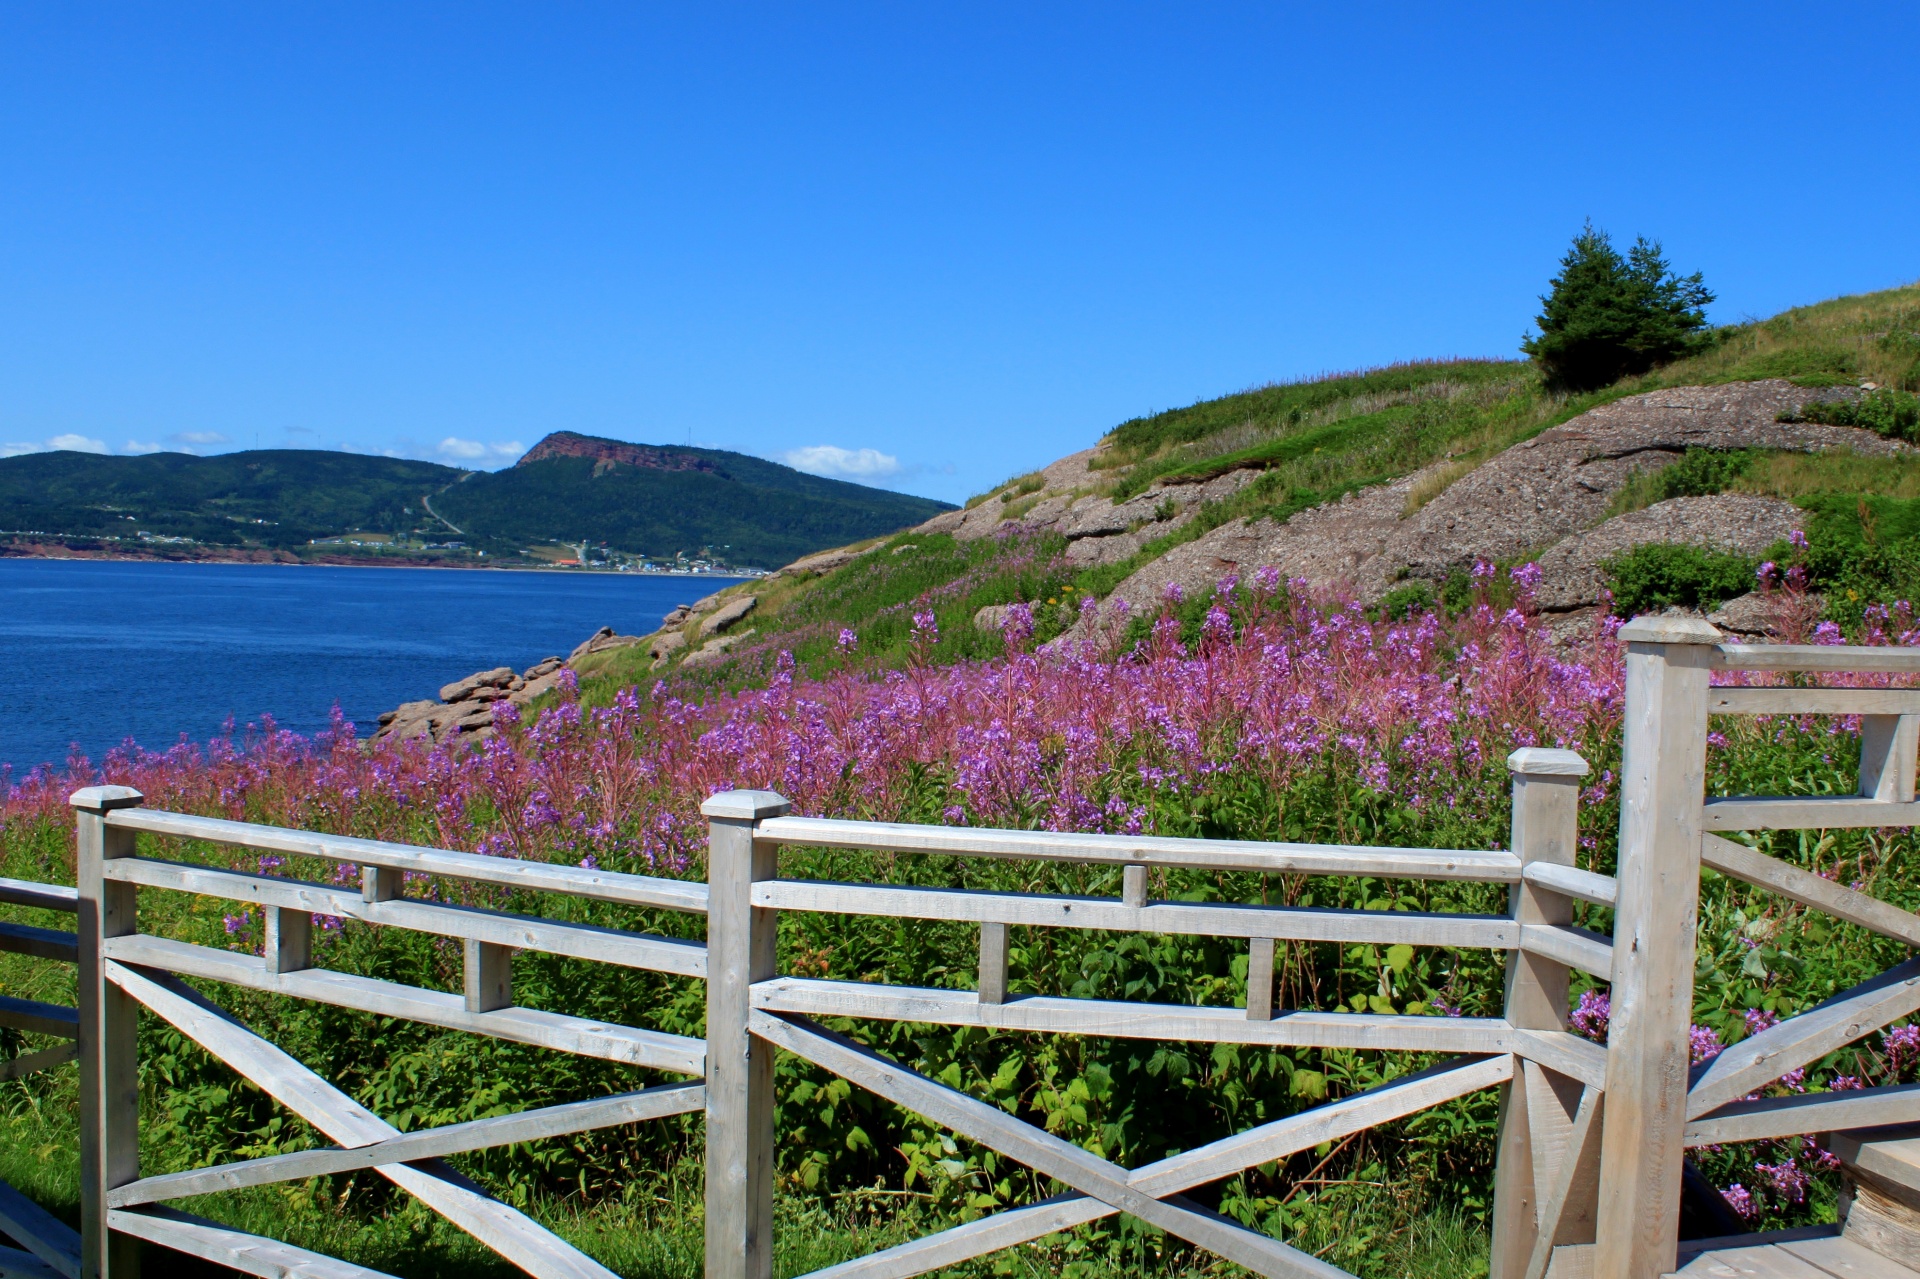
(19, 448)
(135, 446)
(498, 453)
(845, 464)
(78, 444)
(199, 437)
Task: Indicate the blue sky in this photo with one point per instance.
(926, 246)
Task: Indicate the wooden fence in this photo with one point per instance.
(1592, 1142)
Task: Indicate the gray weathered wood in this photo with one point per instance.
(1040, 1150)
(1813, 701)
(1766, 1118)
(1760, 1059)
(579, 1035)
(1662, 779)
(993, 963)
(48, 1238)
(38, 1018)
(1566, 1214)
(504, 1229)
(1581, 884)
(1888, 746)
(1845, 1259)
(487, 980)
(1809, 889)
(523, 932)
(1760, 1262)
(1816, 657)
(1571, 946)
(15, 1264)
(431, 1143)
(1133, 886)
(1889, 1152)
(1564, 1053)
(1260, 979)
(28, 892)
(1200, 919)
(740, 940)
(1151, 850)
(289, 940)
(225, 1246)
(33, 1063)
(382, 884)
(1119, 1019)
(108, 1027)
(1691, 1248)
(1797, 812)
(597, 885)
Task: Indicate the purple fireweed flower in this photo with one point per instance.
(1740, 1199)
(1845, 1083)
(589, 862)
(1174, 595)
(1703, 1044)
(1798, 540)
(236, 923)
(848, 641)
(1766, 573)
(1017, 627)
(1787, 1178)
(1591, 1016)
(1902, 1047)
(1758, 1019)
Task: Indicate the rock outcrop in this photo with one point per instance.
(465, 707)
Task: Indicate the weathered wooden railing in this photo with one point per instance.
(1592, 1141)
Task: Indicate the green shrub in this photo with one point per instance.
(1660, 575)
(1894, 414)
(1704, 472)
(1610, 317)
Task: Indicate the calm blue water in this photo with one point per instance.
(93, 653)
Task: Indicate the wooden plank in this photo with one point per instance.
(1276, 1140)
(1891, 1153)
(742, 936)
(1845, 1259)
(1260, 979)
(1816, 657)
(523, 932)
(487, 977)
(1691, 1248)
(1805, 812)
(28, 892)
(1583, 885)
(235, 1249)
(1766, 1118)
(993, 963)
(1813, 701)
(15, 1264)
(1122, 1020)
(1152, 850)
(382, 884)
(1662, 779)
(1754, 867)
(51, 1241)
(1133, 886)
(289, 941)
(38, 1018)
(1765, 1262)
(1760, 1059)
(1889, 748)
(544, 877)
(1041, 1151)
(1574, 1185)
(347, 1122)
(33, 1063)
(431, 1143)
(1198, 919)
(1564, 1053)
(578, 1035)
(1580, 948)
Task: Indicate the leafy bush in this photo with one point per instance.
(1889, 412)
(1704, 472)
(1610, 317)
(1660, 575)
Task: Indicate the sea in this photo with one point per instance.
(95, 653)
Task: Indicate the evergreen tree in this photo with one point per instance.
(1610, 317)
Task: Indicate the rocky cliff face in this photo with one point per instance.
(568, 444)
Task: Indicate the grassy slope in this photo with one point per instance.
(1315, 440)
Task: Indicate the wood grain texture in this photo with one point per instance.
(236, 1249)
(597, 885)
(1583, 885)
(1200, 919)
(108, 1033)
(993, 963)
(579, 1035)
(1795, 812)
(1260, 979)
(1152, 850)
(1566, 1211)
(1889, 749)
(1813, 701)
(1760, 1059)
(1804, 1113)
(1571, 946)
(1754, 867)
(1816, 657)
(523, 932)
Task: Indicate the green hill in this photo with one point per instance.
(635, 499)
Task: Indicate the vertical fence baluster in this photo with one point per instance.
(740, 951)
(1662, 787)
(1537, 1107)
(109, 1046)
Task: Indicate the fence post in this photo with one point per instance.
(109, 1045)
(740, 951)
(1537, 1107)
(1662, 787)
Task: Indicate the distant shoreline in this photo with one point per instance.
(272, 560)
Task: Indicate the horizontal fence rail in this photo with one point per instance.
(1592, 1142)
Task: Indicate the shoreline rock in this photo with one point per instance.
(465, 706)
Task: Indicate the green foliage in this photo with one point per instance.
(1609, 317)
(1657, 576)
(1810, 366)
(1889, 412)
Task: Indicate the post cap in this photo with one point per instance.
(102, 799)
(1543, 761)
(746, 805)
(1670, 628)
